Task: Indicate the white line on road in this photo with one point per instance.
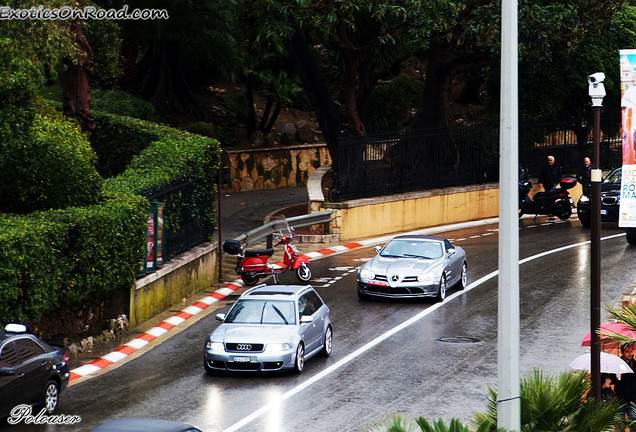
(394, 330)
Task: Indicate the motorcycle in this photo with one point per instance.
(252, 264)
(555, 202)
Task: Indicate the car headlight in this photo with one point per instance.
(215, 346)
(426, 277)
(366, 275)
(277, 347)
(584, 199)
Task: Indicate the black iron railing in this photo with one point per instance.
(408, 161)
(185, 222)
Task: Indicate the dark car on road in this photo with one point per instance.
(145, 425)
(32, 372)
(610, 200)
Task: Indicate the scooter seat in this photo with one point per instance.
(259, 252)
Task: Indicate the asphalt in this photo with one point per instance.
(244, 211)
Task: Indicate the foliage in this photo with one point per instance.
(123, 104)
(390, 105)
(104, 39)
(169, 59)
(555, 84)
(200, 128)
(175, 156)
(117, 139)
(398, 424)
(31, 51)
(556, 403)
(46, 162)
(57, 257)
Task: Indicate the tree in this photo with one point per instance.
(167, 61)
(556, 403)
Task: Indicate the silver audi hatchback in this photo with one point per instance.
(270, 328)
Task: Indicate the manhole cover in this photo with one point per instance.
(458, 339)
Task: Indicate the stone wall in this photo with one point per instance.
(276, 167)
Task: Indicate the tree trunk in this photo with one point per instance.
(316, 89)
(76, 101)
(434, 110)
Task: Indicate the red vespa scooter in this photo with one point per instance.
(252, 264)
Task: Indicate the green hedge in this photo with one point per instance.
(117, 139)
(178, 156)
(55, 258)
(46, 162)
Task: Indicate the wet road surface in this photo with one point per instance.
(440, 365)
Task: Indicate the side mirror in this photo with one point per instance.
(306, 319)
(377, 249)
(220, 317)
(451, 252)
(6, 371)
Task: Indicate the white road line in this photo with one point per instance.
(256, 414)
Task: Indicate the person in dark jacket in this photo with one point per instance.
(625, 386)
(584, 176)
(550, 174)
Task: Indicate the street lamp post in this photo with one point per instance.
(597, 92)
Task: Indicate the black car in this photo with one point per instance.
(145, 425)
(31, 371)
(610, 200)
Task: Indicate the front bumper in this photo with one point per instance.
(609, 213)
(400, 291)
(250, 361)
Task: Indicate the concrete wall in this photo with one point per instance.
(180, 278)
(395, 213)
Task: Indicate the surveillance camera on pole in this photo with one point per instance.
(596, 88)
(597, 93)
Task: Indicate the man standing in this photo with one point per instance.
(550, 174)
(584, 176)
(625, 387)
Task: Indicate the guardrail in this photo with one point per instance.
(270, 228)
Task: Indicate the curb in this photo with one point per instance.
(197, 307)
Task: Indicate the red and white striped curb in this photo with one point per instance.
(162, 329)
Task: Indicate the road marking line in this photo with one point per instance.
(276, 403)
(164, 328)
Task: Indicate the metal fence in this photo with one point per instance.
(185, 222)
(409, 161)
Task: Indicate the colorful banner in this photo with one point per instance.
(627, 209)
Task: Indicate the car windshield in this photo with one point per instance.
(413, 249)
(262, 312)
(614, 177)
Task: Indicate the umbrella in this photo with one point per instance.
(614, 327)
(609, 363)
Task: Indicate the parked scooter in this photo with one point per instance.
(252, 264)
(555, 202)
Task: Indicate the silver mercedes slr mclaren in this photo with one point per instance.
(413, 266)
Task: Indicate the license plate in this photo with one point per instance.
(378, 283)
(603, 212)
(241, 359)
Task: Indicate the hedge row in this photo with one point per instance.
(117, 139)
(54, 258)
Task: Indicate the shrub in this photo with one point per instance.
(117, 139)
(52, 258)
(123, 104)
(389, 106)
(46, 162)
